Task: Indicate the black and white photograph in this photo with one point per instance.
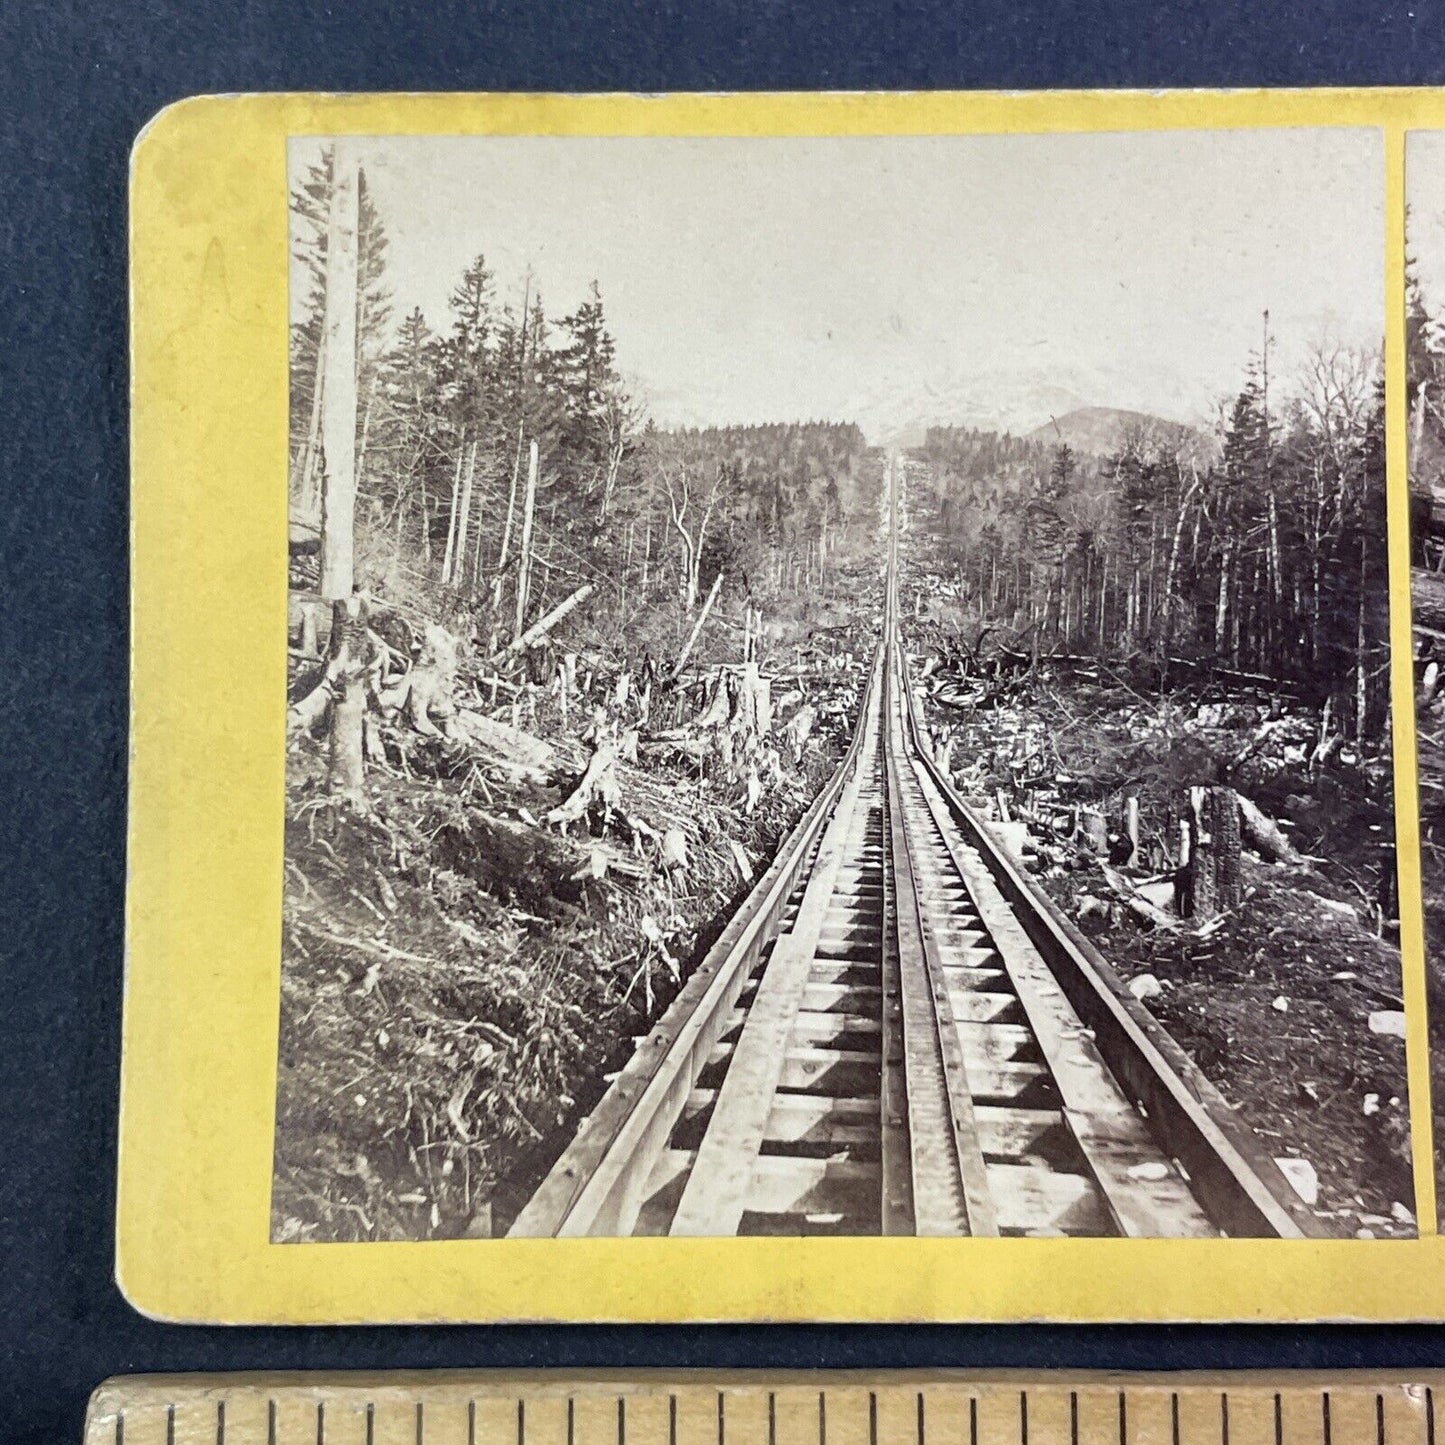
(841, 686)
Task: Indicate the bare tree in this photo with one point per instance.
(1336, 392)
(617, 422)
(346, 671)
(690, 511)
(338, 384)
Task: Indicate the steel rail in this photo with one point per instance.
(1236, 1181)
(1110, 1078)
(595, 1186)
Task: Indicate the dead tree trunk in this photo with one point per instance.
(1093, 831)
(307, 502)
(507, 525)
(524, 561)
(1131, 831)
(345, 770)
(1212, 882)
(453, 515)
(338, 395)
(425, 695)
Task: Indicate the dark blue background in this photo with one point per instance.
(76, 83)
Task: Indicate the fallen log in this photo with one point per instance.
(1265, 836)
(1427, 597)
(682, 657)
(1137, 904)
(539, 629)
(521, 750)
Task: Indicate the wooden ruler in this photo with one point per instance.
(842, 1408)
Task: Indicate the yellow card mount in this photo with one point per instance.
(757, 1408)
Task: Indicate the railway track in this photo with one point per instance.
(899, 1034)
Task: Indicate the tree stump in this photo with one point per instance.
(1210, 872)
(346, 768)
(1387, 897)
(1093, 831)
(1131, 832)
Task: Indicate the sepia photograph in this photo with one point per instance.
(841, 686)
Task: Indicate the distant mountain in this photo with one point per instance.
(1100, 430)
(1016, 395)
(999, 401)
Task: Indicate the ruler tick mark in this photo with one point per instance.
(872, 1417)
(1325, 1416)
(220, 1422)
(271, 1422)
(419, 1427)
(621, 1420)
(823, 1419)
(672, 1420)
(1379, 1419)
(1278, 1419)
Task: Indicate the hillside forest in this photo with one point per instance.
(1256, 551)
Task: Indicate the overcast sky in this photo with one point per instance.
(894, 279)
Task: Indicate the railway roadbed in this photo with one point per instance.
(898, 1034)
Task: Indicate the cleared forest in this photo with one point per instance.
(560, 681)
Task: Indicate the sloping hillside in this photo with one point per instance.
(1099, 430)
